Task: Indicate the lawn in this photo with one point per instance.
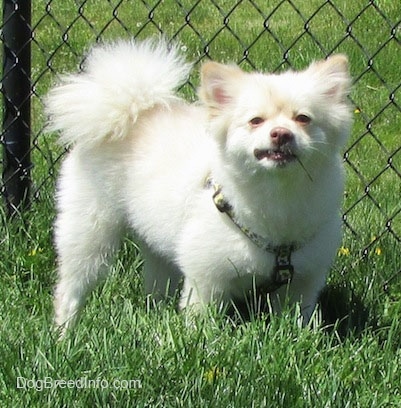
(125, 352)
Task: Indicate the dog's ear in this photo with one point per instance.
(219, 85)
(333, 75)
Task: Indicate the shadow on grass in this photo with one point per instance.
(341, 309)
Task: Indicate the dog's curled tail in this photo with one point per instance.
(119, 81)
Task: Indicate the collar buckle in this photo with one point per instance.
(283, 269)
(283, 274)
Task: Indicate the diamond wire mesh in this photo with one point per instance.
(257, 35)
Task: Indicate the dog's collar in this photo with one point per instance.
(283, 270)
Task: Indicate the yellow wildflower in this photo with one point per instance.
(212, 374)
(343, 251)
(35, 251)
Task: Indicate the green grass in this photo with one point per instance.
(214, 361)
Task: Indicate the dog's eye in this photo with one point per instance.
(256, 121)
(303, 119)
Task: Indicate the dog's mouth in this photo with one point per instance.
(277, 156)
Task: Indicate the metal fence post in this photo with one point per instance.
(16, 89)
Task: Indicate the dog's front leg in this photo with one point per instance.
(195, 295)
(301, 295)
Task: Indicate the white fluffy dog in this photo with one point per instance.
(241, 190)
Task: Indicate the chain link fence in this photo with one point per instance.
(256, 34)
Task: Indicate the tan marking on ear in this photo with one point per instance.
(219, 84)
(335, 63)
(334, 71)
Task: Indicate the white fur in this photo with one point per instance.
(120, 80)
(140, 158)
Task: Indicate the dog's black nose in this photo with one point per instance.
(281, 136)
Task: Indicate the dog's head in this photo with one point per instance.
(271, 122)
